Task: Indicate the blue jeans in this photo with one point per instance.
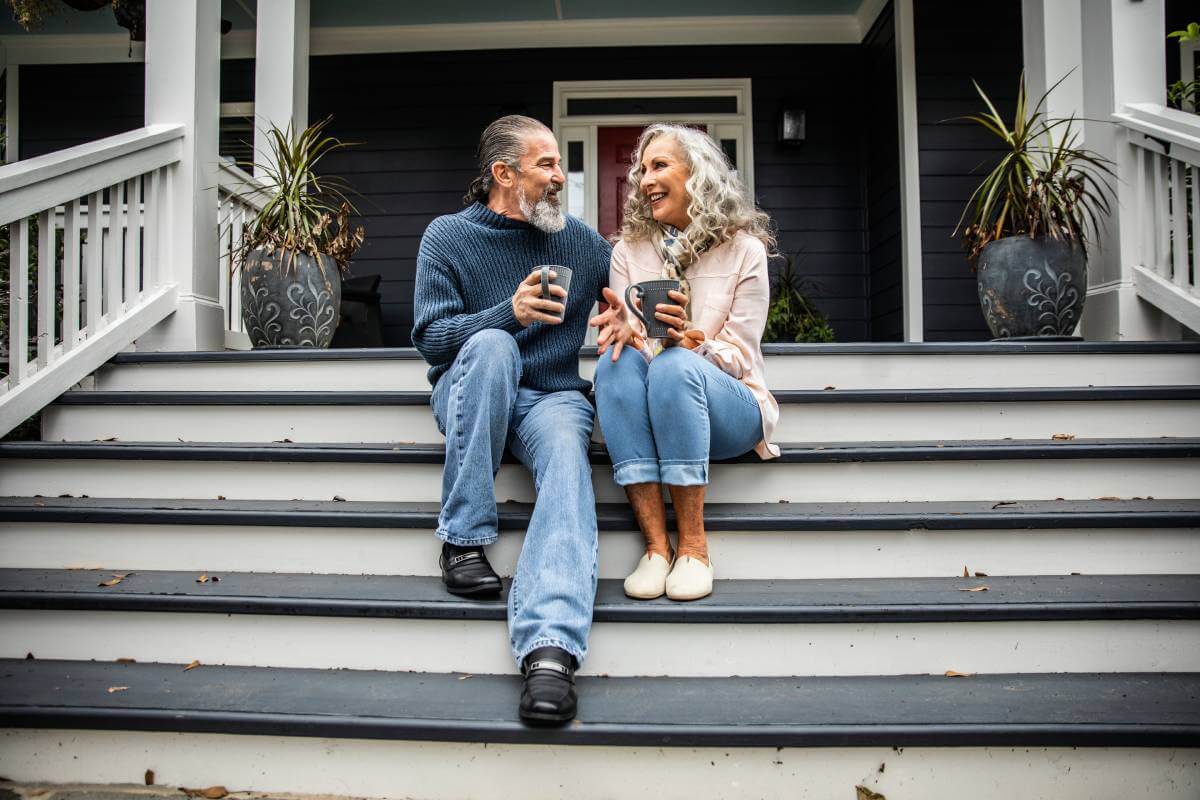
(480, 406)
(664, 420)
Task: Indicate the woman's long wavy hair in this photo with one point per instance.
(719, 205)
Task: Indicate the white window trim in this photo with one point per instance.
(584, 128)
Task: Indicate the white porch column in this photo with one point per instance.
(1123, 43)
(280, 70)
(182, 78)
(912, 280)
(1053, 50)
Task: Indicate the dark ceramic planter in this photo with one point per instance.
(1032, 287)
(293, 307)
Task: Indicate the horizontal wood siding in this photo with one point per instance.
(955, 43)
(418, 117)
(881, 183)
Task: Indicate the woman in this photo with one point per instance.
(667, 408)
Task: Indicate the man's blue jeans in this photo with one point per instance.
(664, 420)
(480, 406)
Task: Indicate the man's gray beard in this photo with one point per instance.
(545, 215)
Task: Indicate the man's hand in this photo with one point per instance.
(529, 306)
(614, 329)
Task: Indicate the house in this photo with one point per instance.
(975, 558)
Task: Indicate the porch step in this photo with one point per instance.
(1165, 468)
(793, 366)
(768, 541)
(807, 415)
(749, 627)
(1080, 710)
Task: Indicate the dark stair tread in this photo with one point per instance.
(934, 515)
(809, 452)
(1040, 597)
(1066, 709)
(104, 397)
(839, 348)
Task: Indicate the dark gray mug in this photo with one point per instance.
(651, 293)
(562, 277)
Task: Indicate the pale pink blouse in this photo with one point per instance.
(730, 296)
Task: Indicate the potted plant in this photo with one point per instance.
(293, 252)
(792, 317)
(1028, 223)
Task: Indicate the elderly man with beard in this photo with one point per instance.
(505, 371)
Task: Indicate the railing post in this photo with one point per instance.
(182, 70)
(280, 70)
(1123, 63)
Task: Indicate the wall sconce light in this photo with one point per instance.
(791, 126)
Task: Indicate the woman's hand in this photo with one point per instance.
(614, 329)
(678, 332)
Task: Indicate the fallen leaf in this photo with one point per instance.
(1003, 503)
(149, 777)
(827, 388)
(1108, 497)
(1063, 437)
(966, 574)
(114, 689)
(212, 792)
(126, 660)
(339, 498)
(975, 589)
(202, 579)
(66, 495)
(284, 441)
(220, 497)
(29, 657)
(866, 794)
(109, 439)
(980, 574)
(117, 577)
(215, 579)
(464, 677)
(953, 674)
(192, 665)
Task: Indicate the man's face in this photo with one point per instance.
(539, 180)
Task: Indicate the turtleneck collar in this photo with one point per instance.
(481, 214)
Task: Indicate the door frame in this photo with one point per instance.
(582, 128)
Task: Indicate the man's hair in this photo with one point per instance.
(504, 141)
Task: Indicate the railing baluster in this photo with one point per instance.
(71, 220)
(47, 288)
(224, 211)
(1162, 222)
(235, 278)
(1141, 208)
(1194, 263)
(18, 298)
(1179, 218)
(93, 262)
(133, 241)
(151, 225)
(112, 256)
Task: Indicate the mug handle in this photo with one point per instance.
(629, 302)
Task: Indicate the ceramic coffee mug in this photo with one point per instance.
(562, 277)
(651, 293)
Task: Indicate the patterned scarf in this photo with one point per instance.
(672, 246)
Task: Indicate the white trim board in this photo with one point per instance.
(625, 32)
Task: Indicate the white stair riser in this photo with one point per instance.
(849, 371)
(1034, 479)
(393, 769)
(810, 422)
(737, 555)
(615, 648)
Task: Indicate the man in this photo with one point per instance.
(504, 369)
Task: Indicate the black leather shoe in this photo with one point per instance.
(549, 692)
(466, 571)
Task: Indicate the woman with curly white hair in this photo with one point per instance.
(667, 407)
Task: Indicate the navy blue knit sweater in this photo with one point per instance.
(468, 268)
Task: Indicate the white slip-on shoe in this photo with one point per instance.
(691, 579)
(649, 580)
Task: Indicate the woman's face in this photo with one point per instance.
(666, 172)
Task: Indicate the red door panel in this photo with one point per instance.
(615, 150)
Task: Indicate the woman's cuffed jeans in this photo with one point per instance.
(480, 407)
(664, 420)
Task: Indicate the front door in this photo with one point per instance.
(615, 148)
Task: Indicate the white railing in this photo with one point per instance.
(1167, 204)
(239, 200)
(97, 277)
